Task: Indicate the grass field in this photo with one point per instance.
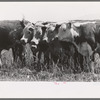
(12, 71)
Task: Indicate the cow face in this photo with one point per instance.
(66, 32)
(28, 32)
(51, 32)
(39, 31)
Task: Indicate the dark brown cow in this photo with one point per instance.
(10, 34)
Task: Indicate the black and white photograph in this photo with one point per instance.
(50, 41)
(49, 49)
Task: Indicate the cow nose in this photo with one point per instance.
(33, 43)
(22, 41)
(45, 39)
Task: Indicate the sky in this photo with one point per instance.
(49, 11)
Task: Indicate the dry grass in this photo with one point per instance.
(14, 72)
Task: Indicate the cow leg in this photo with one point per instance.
(14, 54)
(75, 69)
(87, 63)
(47, 58)
(81, 60)
(78, 61)
(21, 55)
(17, 52)
(0, 60)
(38, 63)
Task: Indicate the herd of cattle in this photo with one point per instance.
(60, 42)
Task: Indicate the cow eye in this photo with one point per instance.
(29, 32)
(31, 29)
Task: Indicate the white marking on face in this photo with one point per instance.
(35, 40)
(74, 33)
(45, 38)
(63, 26)
(39, 30)
(52, 28)
(25, 39)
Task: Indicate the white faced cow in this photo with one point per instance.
(28, 32)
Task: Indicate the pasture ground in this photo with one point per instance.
(12, 71)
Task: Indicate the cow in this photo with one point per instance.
(10, 34)
(37, 43)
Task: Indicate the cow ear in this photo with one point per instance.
(22, 23)
(69, 25)
(33, 23)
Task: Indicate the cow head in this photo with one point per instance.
(39, 32)
(28, 32)
(51, 32)
(66, 32)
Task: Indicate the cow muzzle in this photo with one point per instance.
(35, 41)
(23, 42)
